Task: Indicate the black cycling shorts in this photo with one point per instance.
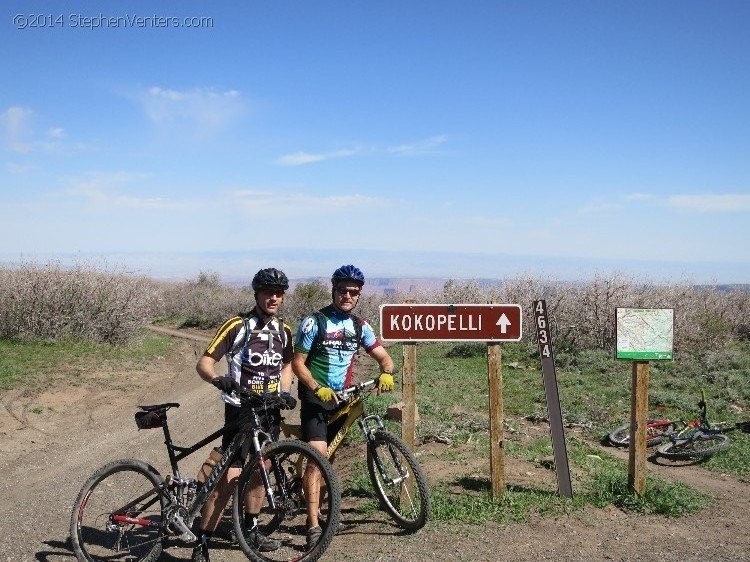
(314, 420)
(270, 422)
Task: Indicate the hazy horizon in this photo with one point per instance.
(300, 264)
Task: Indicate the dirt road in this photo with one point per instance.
(51, 442)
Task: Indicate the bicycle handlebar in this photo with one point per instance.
(256, 399)
(357, 389)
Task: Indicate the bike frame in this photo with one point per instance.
(352, 411)
(177, 453)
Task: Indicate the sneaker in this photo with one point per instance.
(313, 536)
(200, 554)
(260, 542)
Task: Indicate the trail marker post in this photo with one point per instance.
(557, 432)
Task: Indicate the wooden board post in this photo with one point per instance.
(638, 421)
(409, 394)
(495, 379)
(409, 412)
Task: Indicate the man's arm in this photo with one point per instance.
(205, 368)
(286, 377)
(303, 373)
(384, 360)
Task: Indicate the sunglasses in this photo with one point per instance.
(344, 291)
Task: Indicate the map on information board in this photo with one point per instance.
(644, 333)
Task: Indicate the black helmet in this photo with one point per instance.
(348, 273)
(270, 278)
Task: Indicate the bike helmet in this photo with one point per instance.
(348, 273)
(270, 278)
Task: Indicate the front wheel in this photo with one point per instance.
(118, 514)
(699, 447)
(398, 480)
(297, 473)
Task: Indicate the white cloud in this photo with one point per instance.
(257, 201)
(639, 197)
(104, 192)
(301, 158)
(17, 169)
(727, 203)
(56, 133)
(425, 146)
(16, 124)
(205, 110)
(600, 208)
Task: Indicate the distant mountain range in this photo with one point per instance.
(239, 267)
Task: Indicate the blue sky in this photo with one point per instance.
(603, 131)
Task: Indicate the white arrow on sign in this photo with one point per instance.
(503, 322)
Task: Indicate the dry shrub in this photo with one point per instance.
(303, 299)
(582, 314)
(204, 302)
(50, 302)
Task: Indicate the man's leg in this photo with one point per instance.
(212, 511)
(254, 499)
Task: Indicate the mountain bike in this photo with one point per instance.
(394, 471)
(657, 430)
(127, 510)
(699, 439)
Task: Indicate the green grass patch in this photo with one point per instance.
(672, 499)
(34, 364)
(470, 500)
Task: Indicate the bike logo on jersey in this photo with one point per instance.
(265, 359)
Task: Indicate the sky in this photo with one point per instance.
(610, 133)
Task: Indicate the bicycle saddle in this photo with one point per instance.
(155, 407)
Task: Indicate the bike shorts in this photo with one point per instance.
(270, 422)
(314, 421)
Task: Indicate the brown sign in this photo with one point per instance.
(454, 322)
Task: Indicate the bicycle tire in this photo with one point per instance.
(408, 504)
(96, 537)
(692, 448)
(288, 522)
(620, 437)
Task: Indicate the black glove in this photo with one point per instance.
(288, 402)
(227, 384)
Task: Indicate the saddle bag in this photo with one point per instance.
(149, 420)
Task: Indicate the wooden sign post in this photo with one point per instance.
(638, 415)
(641, 334)
(497, 449)
(491, 323)
(409, 394)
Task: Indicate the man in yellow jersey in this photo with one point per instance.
(258, 349)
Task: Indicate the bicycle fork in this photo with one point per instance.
(365, 423)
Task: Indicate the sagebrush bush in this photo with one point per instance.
(204, 302)
(49, 302)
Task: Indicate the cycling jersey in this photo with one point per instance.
(255, 358)
(330, 357)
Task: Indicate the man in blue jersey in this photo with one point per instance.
(325, 347)
(258, 349)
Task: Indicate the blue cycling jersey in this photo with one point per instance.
(331, 358)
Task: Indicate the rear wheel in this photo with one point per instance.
(700, 447)
(656, 432)
(398, 480)
(292, 467)
(118, 514)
